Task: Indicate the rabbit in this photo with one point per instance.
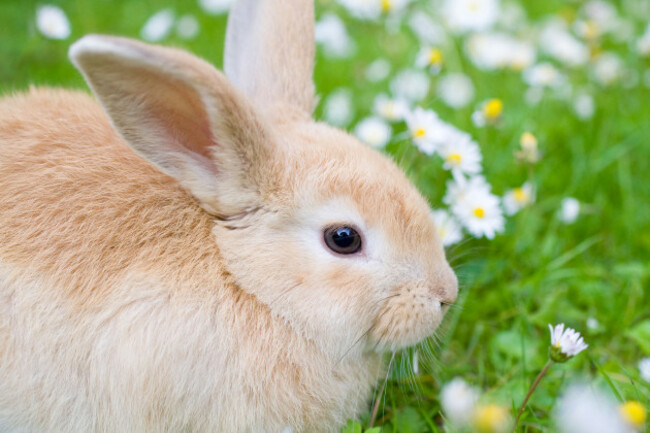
(192, 252)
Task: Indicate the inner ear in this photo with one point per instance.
(176, 110)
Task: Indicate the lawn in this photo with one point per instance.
(590, 119)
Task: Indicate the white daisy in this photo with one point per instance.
(592, 323)
(461, 154)
(458, 400)
(426, 29)
(479, 212)
(583, 409)
(644, 369)
(570, 210)
(373, 131)
(410, 85)
(463, 16)
(517, 198)
(331, 34)
(583, 106)
(529, 152)
(187, 27)
(158, 26)
(458, 188)
(489, 51)
(422, 125)
(52, 22)
(338, 107)
(448, 228)
(363, 9)
(430, 58)
(456, 90)
(557, 42)
(377, 70)
(216, 7)
(390, 109)
(565, 343)
(607, 69)
(643, 43)
(543, 75)
(489, 112)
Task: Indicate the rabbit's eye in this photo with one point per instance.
(343, 240)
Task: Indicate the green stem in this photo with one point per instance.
(530, 392)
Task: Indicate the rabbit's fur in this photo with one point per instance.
(186, 286)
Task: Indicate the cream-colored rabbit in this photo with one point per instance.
(196, 254)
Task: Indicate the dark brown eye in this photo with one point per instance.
(343, 240)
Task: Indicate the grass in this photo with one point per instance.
(539, 271)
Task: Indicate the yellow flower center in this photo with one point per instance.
(419, 133)
(521, 196)
(491, 419)
(479, 212)
(435, 56)
(591, 30)
(454, 158)
(493, 108)
(528, 141)
(386, 5)
(634, 413)
(474, 6)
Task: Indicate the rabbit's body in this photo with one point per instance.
(112, 288)
(196, 253)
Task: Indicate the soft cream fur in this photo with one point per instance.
(186, 286)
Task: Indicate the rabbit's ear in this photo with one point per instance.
(269, 51)
(182, 115)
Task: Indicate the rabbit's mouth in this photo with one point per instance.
(405, 319)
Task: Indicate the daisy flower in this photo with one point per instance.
(584, 106)
(390, 109)
(517, 198)
(458, 188)
(529, 152)
(489, 113)
(491, 418)
(187, 27)
(556, 41)
(479, 212)
(607, 69)
(463, 16)
(52, 22)
(585, 410)
(373, 131)
(430, 58)
(565, 343)
(461, 154)
(377, 70)
(570, 210)
(158, 26)
(422, 125)
(644, 369)
(410, 85)
(426, 29)
(448, 228)
(456, 90)
(543, 75)
(338, 108)
(490, 51)
(216, 7)
(458, 400)
(331, 34)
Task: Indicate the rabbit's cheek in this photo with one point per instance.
(406, 319)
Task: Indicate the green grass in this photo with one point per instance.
(539, 271)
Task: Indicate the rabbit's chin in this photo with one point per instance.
(402, 324)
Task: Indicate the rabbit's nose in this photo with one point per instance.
(445, 287)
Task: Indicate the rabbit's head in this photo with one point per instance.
(325, 232)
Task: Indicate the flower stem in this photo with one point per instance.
(530, 392)
(373, 417)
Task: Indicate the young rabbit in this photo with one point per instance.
(196, 254)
